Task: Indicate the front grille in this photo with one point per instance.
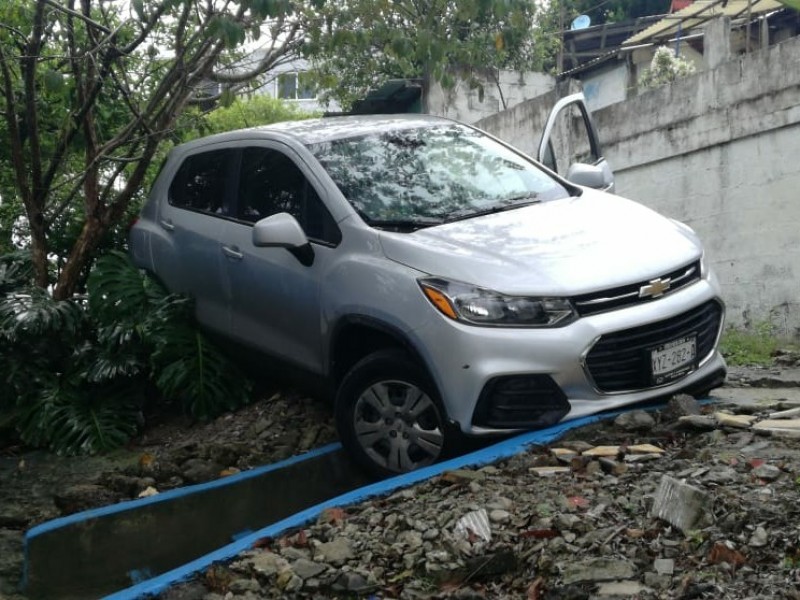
(620, 361)
(513, 401)
(628, 295)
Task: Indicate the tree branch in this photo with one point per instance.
(77, 15)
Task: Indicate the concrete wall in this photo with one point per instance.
(607, 85)
(719, 150)
(500, 91)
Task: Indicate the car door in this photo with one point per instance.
(570, 145)
(275, 295)
(193, 216)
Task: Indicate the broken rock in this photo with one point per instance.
(335, 552)
(737, 421)
(767, 472)
(679, 503)
(635, 420)
(597, 570)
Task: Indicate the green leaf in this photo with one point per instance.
(196, 373)
(119, 291)
(33, 312)
(227, 97)
(73, 420)
(53, 82)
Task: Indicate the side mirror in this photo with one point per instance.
(598, 177)
(283, 231)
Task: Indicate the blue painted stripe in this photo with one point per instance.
(504, 449)
(176, 493)
(167, 496)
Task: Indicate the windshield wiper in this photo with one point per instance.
(505, 204)
(409, 224)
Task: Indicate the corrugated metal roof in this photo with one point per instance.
(698, 14)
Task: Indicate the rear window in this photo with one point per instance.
(200, 183)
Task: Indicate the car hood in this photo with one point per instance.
(561, 247)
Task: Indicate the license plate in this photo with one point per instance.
(673, 359)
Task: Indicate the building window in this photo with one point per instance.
(296, 86)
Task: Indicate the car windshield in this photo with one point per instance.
(422, 176)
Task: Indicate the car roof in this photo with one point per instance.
(312, 131)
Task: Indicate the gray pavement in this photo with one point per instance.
(760, 386)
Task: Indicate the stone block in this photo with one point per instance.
(678, 503)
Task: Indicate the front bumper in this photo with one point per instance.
(466, 360)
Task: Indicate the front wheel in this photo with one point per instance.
(389, 416)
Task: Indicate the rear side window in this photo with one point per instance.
(201, 182)
(270, 183)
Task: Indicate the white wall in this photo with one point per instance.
(463, 103)
(719, 150)
(607, 85)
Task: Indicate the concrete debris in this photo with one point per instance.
(548, 471)
(306, 569)
(645, 449)
(664, 566)
(678, 503)
(635, 420)
(147, 492)
(620, 589)
(699, 507)
(767, 472)
(681, 405)
(786, 414)
(602, 451)
(738, 421)
(566, 452)
(760, 538)
(475, 523)
(335, 552)
(699, 422)
(598, 569)
(777, 424)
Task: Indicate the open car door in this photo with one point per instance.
(571, 148)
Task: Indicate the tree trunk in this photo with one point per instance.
(39, 250)
(81, 253)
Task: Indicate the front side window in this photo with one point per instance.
(432, 174)
(200, 183)
(270, 183)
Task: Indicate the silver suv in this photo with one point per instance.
(440, 281)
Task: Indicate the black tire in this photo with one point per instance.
(389, 415)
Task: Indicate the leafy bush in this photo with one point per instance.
(665, 68)
(242, 113)
(77, 373)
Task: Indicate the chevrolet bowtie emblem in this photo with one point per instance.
(655, 288)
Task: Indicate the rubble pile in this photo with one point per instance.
(687, 502)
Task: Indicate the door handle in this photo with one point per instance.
(233, 252)
(167, 224)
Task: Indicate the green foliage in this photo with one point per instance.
(75, 372)
(754, 346)
(93, 91)
(357, 44)
(243, 113)
(665, 68)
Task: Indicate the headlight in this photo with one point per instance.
(479, 306)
